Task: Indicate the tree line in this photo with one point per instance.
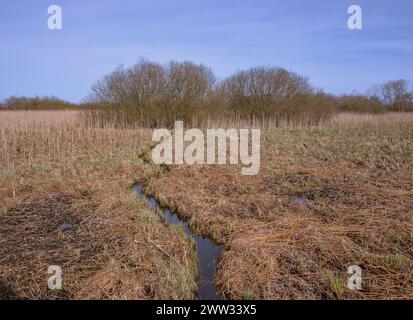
(37, 103)
(152, 94)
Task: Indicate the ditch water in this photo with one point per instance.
(207, 251)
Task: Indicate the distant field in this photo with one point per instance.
(389, 118)
(37, 119)
(326, 198)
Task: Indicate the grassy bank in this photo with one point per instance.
(326, 198)
(66, 200)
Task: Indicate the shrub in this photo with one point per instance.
(37, 103)
(360, 104)
(155, 95)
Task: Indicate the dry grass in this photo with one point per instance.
(55, 171)
(326, 198)
(28, 120)
(389, 118)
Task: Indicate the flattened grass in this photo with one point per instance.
(59, 172)
(326, 198)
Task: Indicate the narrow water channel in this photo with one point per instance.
(207, 251)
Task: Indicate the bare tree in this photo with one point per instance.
(111, 89)
(258, 92)
(159, 93)
(396, 94)
(188, 88)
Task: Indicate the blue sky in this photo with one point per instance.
(308, 37)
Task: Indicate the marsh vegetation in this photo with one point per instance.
(326, 197)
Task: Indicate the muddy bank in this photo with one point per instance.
(208, 252)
